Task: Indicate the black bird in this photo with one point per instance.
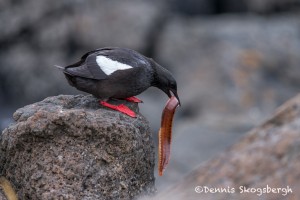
(120, 73)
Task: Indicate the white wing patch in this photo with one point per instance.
(109, 66)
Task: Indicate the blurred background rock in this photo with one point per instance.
(235, 61)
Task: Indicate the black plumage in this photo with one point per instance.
(119, 73)
(130, 73)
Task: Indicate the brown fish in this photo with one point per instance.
(165, 134)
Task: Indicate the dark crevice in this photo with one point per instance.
(228, 6)
(214, 7)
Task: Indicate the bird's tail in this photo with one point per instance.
(59, 67)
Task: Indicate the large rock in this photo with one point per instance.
(232, 64)
(232, 74)
(2, 194)
(267, 156)
(214, 59)
(69, 147)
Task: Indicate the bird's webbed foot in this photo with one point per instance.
(133, 99)
(121, 108)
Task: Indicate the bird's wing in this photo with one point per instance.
(82, 69)
(124, 56)
(101, 63)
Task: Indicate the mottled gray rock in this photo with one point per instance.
(69, 147)
(214, 57)
(232, 74)
(2, 195)
(228, 65)
(232, 64)
(268, 155)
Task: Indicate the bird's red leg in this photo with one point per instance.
(134, 99)
(121, 108)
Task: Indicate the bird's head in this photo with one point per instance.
(165, 81)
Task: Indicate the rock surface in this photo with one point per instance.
(232, 74)
(235, 60)
(236, 64)
(2, 195)
(267, 155)
(68, 147)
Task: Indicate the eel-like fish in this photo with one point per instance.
(165, 134)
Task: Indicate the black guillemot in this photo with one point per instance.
(119, 73)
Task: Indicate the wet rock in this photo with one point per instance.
(267, 156)
(70, 147)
